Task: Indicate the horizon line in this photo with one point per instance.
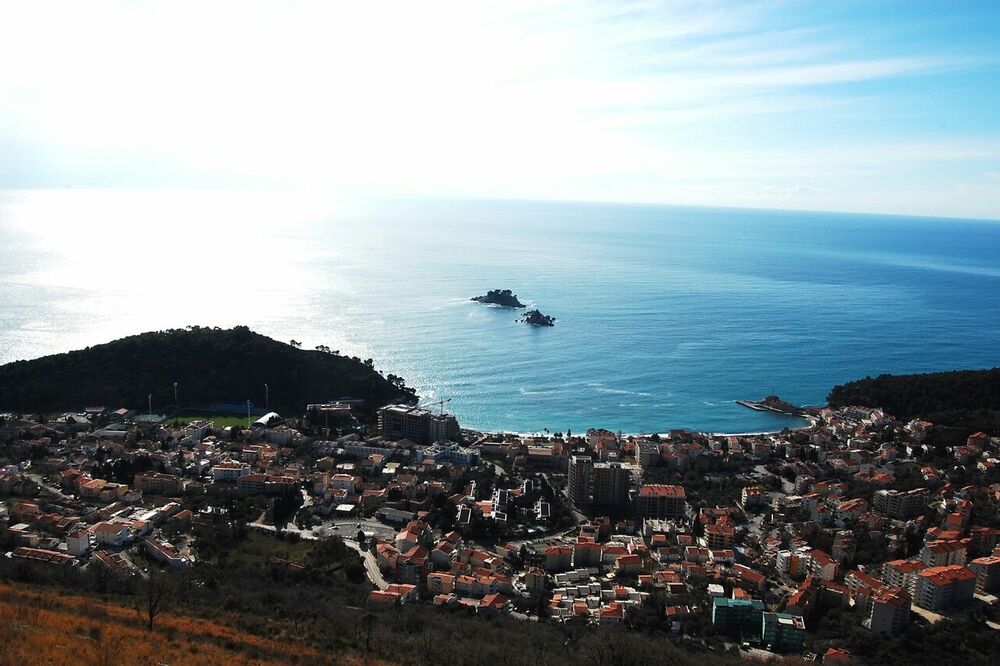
(346, 189)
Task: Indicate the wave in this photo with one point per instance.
(600, 388)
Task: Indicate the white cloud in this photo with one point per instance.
(639, 100)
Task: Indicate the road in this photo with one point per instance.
(579, 517)
(37, 478)
(319, 533)
(371, 564)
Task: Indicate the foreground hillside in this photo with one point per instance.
(235, 607)
(966, 399)
(209, 366)
(47, 626)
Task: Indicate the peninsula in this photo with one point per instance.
(503, 297)
(197, 364)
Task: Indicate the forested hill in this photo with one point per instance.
(968, 399)
(210, 365)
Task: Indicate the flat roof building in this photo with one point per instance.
(416, 424)
(660, 501)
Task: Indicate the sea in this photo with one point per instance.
(666, 315)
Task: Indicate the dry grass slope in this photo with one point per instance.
(45, 627)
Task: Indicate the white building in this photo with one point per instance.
(78, 542)
(229, 470)
(111, 534)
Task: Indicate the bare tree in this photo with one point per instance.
(427, 646)
(105, 646)
(151, 598)
(368, 623)
(100, 575)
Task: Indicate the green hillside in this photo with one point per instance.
(962, 399)
(210, 365)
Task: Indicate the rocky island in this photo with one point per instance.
(536, 318)
(502, 297)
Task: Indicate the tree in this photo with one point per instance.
(100, 575)
(151, 599)
(368, 623)
(296, 344)
(106, 646)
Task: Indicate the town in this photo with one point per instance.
(741, 542)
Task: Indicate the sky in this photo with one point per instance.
(887, 107)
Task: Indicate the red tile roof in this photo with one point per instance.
(660, 490)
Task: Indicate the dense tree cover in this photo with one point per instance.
(967, 400)
(210, 366)
(964, 640)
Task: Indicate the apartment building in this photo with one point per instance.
(611, 483)
(660, 501)
(901, 505)
(889, 611)
(939, 588)
(580, 479)
(416, 424)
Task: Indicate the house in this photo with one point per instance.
(903, 573)
(25, 511)
(821, 565)
(405, 592)
(754, 579)
(889, 611)
(987, 570)
(782, 632)
(943, 553)
(394, 594)
(111, 534)
(535, 581)
(857, 580)
(79, 542)
(166, 553)
(154, 483)
(586, 553)
(558, 558)
(413, 565)
(628, 565)
(117, 563)
(612, 614)
(440, 583)
(494, 604)
(45, 556)
(386, 556)
(229, 470)
(719, 537)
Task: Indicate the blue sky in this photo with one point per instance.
(858, 106)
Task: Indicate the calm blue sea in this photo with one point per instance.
(666, 315)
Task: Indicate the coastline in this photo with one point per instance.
(810, 421)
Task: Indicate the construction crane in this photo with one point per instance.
(440, 404)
